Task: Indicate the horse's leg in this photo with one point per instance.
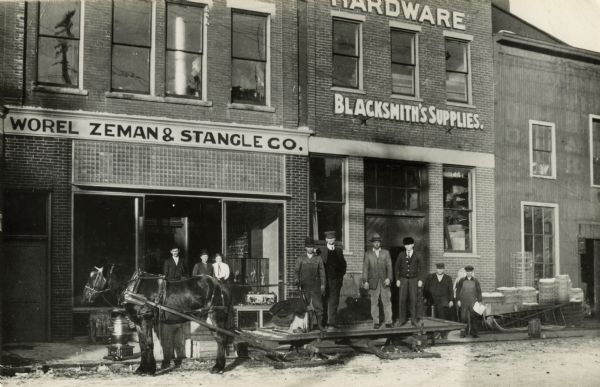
(219, 366)
(147, 363)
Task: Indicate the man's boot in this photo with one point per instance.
(320, 323)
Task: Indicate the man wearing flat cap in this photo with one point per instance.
(310, 274)
(439, 292)
(408, 271)
(468, 291)
(335, 268)
(377, 277)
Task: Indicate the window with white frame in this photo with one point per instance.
(326, 196)
(131, 46)
(249, 57)
(184, 50)
(457, 70)
(346, 53)
(539, 238)
(595, 151)
(404, 63)
(59, 43)
(542, 157)
(458, 208)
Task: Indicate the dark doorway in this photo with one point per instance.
(25, 267)
(590, 274)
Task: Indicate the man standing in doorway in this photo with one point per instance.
(310, 274)
(377, 277)
(468, 292)
(408, 267)
(335, 268)
(171, 335)
(439, 294)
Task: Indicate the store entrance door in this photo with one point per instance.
(590, 274)
(392, 230)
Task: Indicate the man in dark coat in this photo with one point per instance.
(408, 271)
(468, 292)
(171, 335)
(203, 267)
(310, 274)
(335, 268)
(377, 277)
(439, 293)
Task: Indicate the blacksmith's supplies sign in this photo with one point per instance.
(413, 113)
(110, 127)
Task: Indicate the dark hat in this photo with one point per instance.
(440, 265)
(408, 241)
(203, 252)
(329, 234)
(469, 268)
(375, 237)
(308, 242)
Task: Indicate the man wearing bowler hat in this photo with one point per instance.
(310, 274)
(377, 277)
(335, 268)
(408, 270)
(439, 292)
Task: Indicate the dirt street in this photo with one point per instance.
(556, 362)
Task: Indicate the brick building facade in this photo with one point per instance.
(262, 141)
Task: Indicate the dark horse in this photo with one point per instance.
(200, 296)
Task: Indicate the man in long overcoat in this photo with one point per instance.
(377, 277)
(335, 268)
(468, 291)
(310, 274)
(439, 293)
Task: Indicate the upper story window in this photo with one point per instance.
(58, 43)
(249, 58)
(346, 66)
(457, 71)
(184, 61)
(392, 186)
(326, 196)
(595, 151)
(458, 209)
(131, 46)
(404, 63)
(542, 157)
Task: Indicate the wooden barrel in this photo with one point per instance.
(563, 283)
(548, 292)
(534, 328)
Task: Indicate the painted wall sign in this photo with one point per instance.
(408, 10)
(418, 114)
(109, 127)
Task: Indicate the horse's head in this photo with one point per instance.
(98, 282)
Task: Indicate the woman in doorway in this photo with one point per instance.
(220, 268)
(203, 267)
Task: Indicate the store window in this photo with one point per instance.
(58, 43)
(595, 152)
(538, 238)
(404, 63)
(326, 196)
(542, 158)
(346, 65)
(184, 72)
(249, 58)
(457, 70)
(458, 209)
(131, 46)
(392, 186)
(104, 233)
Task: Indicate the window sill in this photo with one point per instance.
(543, 177)
(60, 90)
(154, 98)
(347, 90)
(461, 104)
(188, 101)
(247, 106)
(458, 254)
(406, 97)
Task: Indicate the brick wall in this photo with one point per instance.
(12, 44)
(296, 217)
(97, 69)
(45, 164)
(356, 214)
